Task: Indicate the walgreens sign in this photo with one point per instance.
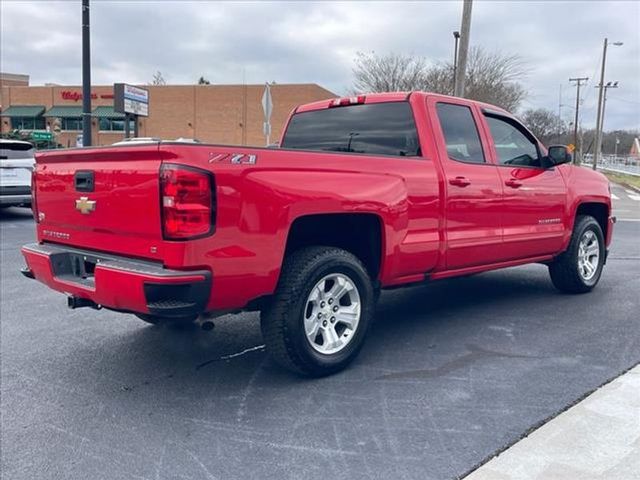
(76, 96)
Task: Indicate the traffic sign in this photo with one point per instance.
(41, 135)
(267, 103)
(267, 107)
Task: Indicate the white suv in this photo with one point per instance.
(16, 163)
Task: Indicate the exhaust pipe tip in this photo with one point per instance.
(207, 325)
(74, 302)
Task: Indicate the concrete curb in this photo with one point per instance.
(539, 425)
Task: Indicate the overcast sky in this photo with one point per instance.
(291, 42)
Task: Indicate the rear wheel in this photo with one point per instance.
(579, 268)
(320, 314)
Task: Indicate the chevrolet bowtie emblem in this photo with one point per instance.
(85, 205)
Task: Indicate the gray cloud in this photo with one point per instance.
(317, 41)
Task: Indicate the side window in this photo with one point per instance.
(460, 133)
(512, 145)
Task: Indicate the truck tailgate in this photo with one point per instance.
(105, 199)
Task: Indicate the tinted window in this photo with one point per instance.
(71, 123)
(114, 124)
(460, 133)
(512, 145)
(28, 123)
(10, 150)
(379, 128)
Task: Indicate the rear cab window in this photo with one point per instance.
(376, 129)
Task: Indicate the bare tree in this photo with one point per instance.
(490, 77)
(545, 124)
(493, 77)
(158, 79)
(388, 73)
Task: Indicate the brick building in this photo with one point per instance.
(14, 80)
(225, 114)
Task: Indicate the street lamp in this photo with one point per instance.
(604, 104)
(456, 36)
(598, 145)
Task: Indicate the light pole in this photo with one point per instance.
(597, 147)
(604, 104)
(559, 111)
(607, 86)
(456, 36)
(86, 75)
(351, 135)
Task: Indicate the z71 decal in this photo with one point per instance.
(235, 158)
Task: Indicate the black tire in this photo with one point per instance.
(282, 321)
(564, 270)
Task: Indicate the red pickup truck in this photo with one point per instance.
(364, 193)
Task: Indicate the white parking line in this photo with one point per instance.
(635, 197)
(614, 196)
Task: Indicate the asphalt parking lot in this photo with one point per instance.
(451, 373)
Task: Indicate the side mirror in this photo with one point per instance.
(559, 154)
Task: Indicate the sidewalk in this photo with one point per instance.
(598, 438)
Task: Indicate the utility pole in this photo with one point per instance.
(578, 82)
(559, 111)
(465, 30)
(598, 143)
(86, 76)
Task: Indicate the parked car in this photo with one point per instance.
(16, 164)
(364, 193)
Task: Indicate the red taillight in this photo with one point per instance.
(340, 102)
(187, 201)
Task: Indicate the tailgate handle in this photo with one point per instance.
(83, 181)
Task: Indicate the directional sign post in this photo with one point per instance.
(132, 101)
(267, 107)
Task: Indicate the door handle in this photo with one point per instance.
(460, 181)
(84, 181)
(513, 183)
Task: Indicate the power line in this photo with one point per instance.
(624, 100)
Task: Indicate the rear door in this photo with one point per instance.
(534, 196)
(473, 191)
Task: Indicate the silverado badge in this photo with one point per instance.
(85, 205)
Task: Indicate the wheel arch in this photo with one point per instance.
(360, 233)
(598, 210)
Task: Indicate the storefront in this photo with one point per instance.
(226, 114)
